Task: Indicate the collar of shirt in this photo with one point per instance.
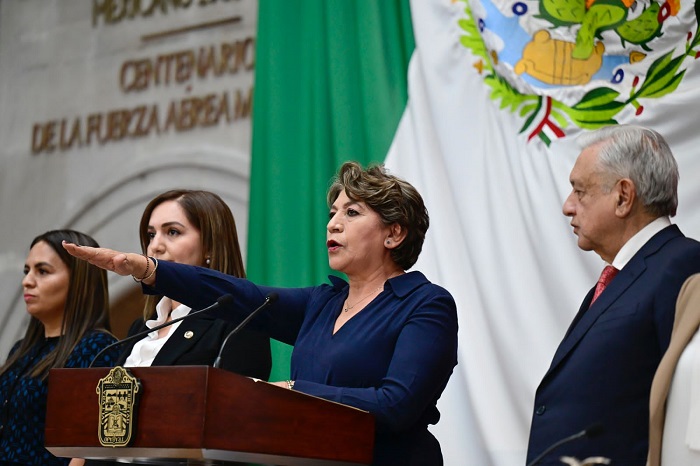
(145, 350)
(162, 314)
(401, 285)
(635, 243)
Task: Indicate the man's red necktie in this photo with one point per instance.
(606, 277)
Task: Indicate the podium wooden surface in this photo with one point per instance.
(202, 415)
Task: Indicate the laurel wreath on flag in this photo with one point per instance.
(596, 108)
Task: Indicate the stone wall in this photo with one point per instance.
(106, 103)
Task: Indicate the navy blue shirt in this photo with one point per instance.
(393, 358)
(23, 412)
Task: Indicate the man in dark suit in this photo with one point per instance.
(624, 193)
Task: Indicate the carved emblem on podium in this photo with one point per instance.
(118, 395)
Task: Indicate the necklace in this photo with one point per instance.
(347, 308)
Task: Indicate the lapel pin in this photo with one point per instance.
(189, 334)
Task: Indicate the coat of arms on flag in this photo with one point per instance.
(586, 63)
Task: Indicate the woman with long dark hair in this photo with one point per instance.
(197, 228)
(68, 304)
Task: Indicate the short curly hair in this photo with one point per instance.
(395, 200)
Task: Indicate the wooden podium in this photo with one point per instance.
(202, 415)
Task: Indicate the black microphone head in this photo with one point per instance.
(272, 297)
(225, 300)
(594, 430)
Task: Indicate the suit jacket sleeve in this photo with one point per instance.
(687, 321)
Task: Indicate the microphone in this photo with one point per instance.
(223, 301)
(271, 298)
(591, 431)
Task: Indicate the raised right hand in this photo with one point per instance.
(122, 263)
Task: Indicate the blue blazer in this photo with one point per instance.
(603, 368)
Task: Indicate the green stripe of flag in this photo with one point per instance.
(330, 86)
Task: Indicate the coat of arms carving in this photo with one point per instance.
(118, 394)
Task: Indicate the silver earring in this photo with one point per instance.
(208, 261)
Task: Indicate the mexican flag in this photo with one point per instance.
(477, 104)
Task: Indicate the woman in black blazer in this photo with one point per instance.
(196, 228)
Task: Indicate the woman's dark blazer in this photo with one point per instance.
(197, 341)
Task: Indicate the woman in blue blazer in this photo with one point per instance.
(384, 341)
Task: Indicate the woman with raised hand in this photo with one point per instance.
(384, 341)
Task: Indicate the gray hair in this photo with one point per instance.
(642, 155)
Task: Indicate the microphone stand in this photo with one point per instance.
(271, 298)
(590, 431)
